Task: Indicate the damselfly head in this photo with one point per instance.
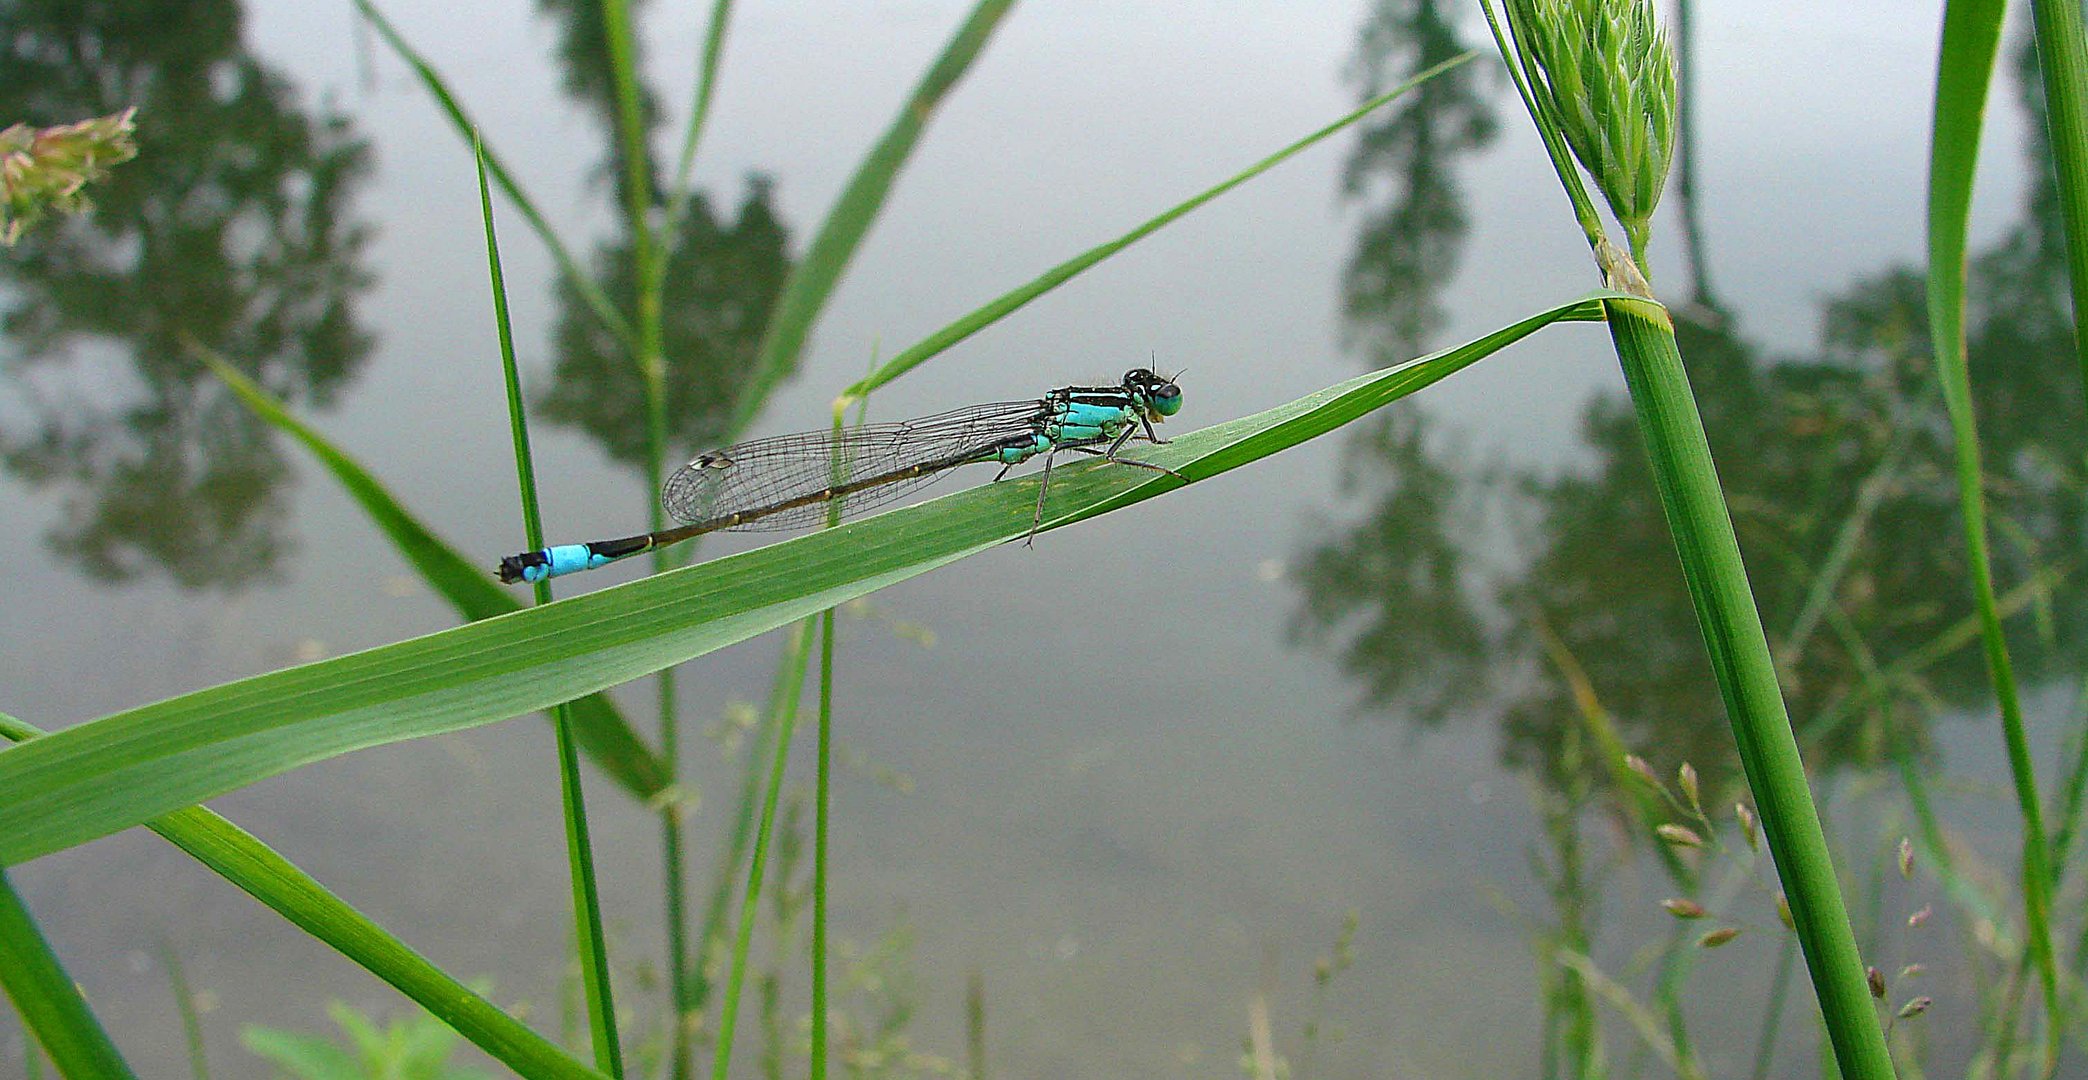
(1158, 392)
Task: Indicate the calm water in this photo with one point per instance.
(1135, 774)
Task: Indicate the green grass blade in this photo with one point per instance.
(1971, 37)
(121, 770)
(813, 279)
(1772, 1010)
(741, 835)
(1634, 798)
(975, 1026)
(51, 1007)
(2072, 797)
(510, 375)
(822, 789)
(706, 88)
(1010, 301)
(185, 1004)
(1641, 1018)
(1521, 70)
(750, 906)
(260, 872)
(597, 301)
(2062, 56)
(468, 586)
(587, 902)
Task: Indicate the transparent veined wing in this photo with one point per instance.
(788, 481)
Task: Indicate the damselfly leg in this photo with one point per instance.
(1109, 455)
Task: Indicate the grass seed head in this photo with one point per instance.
(1605, 72)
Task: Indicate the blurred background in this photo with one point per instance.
(1139, 775)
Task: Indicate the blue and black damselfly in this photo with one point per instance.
(794, 481)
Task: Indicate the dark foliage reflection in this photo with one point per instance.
(723, 277)
(1837, 464)
(230, 230)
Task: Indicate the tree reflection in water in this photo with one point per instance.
(723, 277)
(1836, 464)
(231, 231)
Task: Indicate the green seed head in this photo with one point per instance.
(1604, 70)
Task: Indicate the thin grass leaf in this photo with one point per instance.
(1902, 672)
(1937, 853)
(2062, 56)
(1014, 299)
(300, 1056)
(601, 728)
(253, 867)
(1772, 1010)
(52, 1010)
(1522, 71)
(813, 279)
(630, 120)
(1827, 580)
(975, 1026)
(706, 87)
(185, 1004)
(1636, 799)
(597, 301)
(1971, 38)
(741, 835)
(1683, 1062)
(587, 903)
(822, 789)
(650, 248)
(750, 906)
(2071, 800)
(121, 770)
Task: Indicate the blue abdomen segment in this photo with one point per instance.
(550, 562)
(573, 558)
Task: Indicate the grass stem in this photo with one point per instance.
(1712, 568)
(750, 906)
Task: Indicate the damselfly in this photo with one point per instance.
(793, 481)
